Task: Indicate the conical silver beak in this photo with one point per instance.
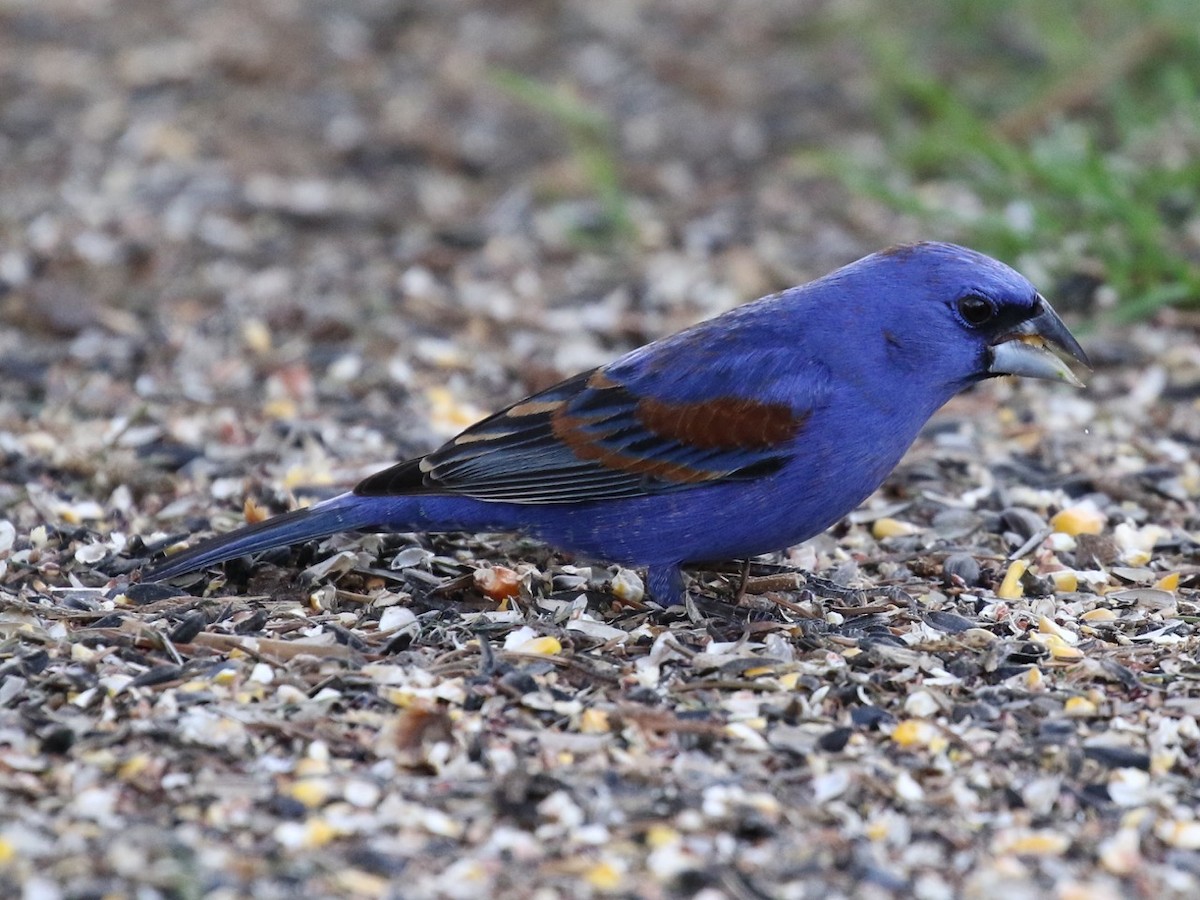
(1039, 348)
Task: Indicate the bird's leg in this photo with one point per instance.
(665, 584)
(745, 579)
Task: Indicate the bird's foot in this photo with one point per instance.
(665, 585)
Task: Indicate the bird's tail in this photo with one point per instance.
(345, 512)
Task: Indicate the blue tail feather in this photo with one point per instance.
(342, 513)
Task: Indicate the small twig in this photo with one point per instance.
(661, 722)
(283, 650)
(725, 684)
(564, 662)
(741, 591)
(1035, 541)
(781, 581)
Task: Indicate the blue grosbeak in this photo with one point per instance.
(745, 434)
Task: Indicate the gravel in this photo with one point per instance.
(250, 253)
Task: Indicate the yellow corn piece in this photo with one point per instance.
(603, 876)
(1076, 520)
(1065, 580)
(1168, 582)
(1046, 625)
(543, 646)
(1066, 654)
(594, 721)
(1010, 588)
(1080, 706)
(888, 527)
(913, 732)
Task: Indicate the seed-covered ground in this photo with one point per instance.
(250, 253)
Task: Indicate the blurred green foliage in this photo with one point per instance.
(1069, 131)
(592, 145)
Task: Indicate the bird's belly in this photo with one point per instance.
(723, 522)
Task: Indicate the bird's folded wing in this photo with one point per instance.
(598, 437)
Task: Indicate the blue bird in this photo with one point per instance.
(742, 435)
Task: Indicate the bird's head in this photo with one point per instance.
(958, 316)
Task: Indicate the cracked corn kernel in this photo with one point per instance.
(1099, 614)
(877, 830)
(400, 697)
(80, 653)
(306, 476)
(1135, 818)
(1079, 706)
(1065, 580)
(661, 836)
(627, 585)
(889, 528)
(543, 646)
(7, 852)
(594, 721)
(318, 833)
(256, 336)
(758, 671)
(1037, 843)
(280, 408)
(1046, 625)
(1034, 678)
(1010, 588)
(1064, 653)
(309, 766)
(311, 792)
(448, 412)
(603, 876)
(1076, 520)
(498, 582)
(1163, 762)
(1137, 544)
(913, 733)
(357, 883)
(1047, 640)
(323, 598)
(133, 767)
(1168, 582)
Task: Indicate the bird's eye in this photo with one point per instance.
(975, 310)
